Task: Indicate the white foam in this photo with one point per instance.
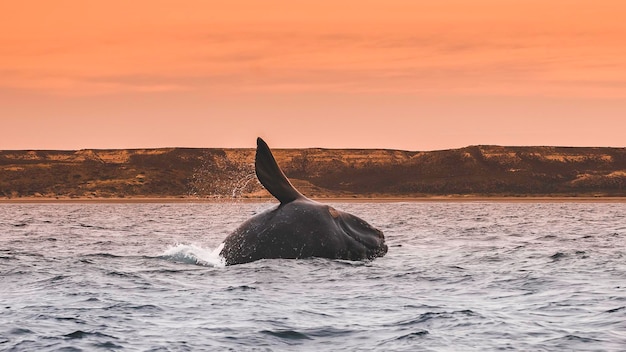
(193, 254)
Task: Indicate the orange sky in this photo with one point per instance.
(403, 74)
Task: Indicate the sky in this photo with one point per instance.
(397, 74)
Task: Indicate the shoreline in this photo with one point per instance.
(433, 199)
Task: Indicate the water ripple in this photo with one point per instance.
(458, 277)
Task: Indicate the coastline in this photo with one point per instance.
(432, 199)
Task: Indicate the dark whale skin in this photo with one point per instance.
(299, 227)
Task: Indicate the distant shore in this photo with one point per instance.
(441, 199)
(475, 173)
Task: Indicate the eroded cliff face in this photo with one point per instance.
(229, 173)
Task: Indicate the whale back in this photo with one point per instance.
(271, 176)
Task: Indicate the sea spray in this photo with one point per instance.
(221, 177)
(193, 254)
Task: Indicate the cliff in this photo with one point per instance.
(226, 173)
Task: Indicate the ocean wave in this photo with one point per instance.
(79, 334)
(556, 286)
(286, 334)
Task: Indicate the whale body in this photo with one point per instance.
(298, 227)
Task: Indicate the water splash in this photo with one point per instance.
(192, 254)
(223, 177)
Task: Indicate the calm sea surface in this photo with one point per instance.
(457, 277)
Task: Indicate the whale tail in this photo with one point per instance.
(271, 176)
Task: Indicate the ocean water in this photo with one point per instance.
(458, 277)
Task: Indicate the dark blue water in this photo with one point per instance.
(457, 277)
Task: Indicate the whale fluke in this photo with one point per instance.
(271, 176)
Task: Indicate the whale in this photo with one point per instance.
(298, 227)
